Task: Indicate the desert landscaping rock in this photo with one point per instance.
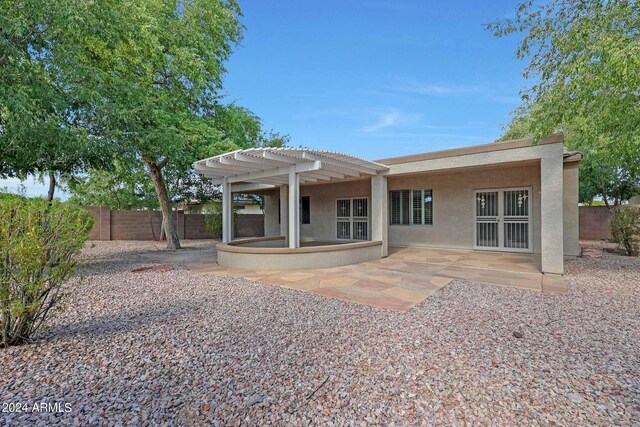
(181, 348)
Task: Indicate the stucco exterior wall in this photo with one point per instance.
(322, 199)
(570, 210)
(453, 200)
(453, 204)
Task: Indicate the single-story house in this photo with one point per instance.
(324, 209)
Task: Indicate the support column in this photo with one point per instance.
(551, 201)
(379, 212)
(284, 214)
(294, 208)
(227, 212)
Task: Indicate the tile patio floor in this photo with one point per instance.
(405, 278)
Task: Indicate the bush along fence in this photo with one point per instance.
(146, 225)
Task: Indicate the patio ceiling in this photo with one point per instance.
(272, 166)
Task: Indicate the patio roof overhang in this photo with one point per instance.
(271, 165)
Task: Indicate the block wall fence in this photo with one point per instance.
(594, 223)
(146, 225)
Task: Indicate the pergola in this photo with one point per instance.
(287, 168)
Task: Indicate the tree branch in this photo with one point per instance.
(162, 163)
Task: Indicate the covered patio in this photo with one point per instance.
(285, 169)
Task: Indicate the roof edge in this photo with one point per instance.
(555, 138)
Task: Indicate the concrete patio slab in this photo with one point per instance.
(405, 278)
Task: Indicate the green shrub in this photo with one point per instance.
(213, 218)
(625, 228)
(39, 243)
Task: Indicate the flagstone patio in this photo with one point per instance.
(405, 278)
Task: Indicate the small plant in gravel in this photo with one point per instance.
(39, 243)
(625, 228)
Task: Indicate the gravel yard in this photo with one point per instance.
(181, 348)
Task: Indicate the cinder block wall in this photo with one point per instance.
(146, 225)
(136, 225)
(249, 225)
(194, 227)
(95, 230)
(594, 223)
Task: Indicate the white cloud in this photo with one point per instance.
(392, 118)
(436, 89)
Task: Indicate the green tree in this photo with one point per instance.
(39, 134)
(584, 57)
(125, 186)
(128, 185)
(604, 173)
(151, 71)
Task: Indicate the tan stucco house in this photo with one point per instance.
(325, 209)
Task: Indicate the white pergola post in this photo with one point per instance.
(379, 212)
(284, 213)
(227, 211)
(551, 200)
(294, 210)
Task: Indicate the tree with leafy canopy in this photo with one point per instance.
(152, 70)
(603, 174)
(585, 59)
(39, 133)
(128, 186)
(125, 186)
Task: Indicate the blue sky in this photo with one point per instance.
(374, 78)
(377, 78)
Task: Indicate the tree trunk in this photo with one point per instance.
(169, 226)
(52, 186)
(605, 198)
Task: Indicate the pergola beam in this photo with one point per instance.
(259, 160)
(332, 169)
(339, 163)
(240, 165)
(315, 176)
(300, 167)
(250, 186)
(272, 165)
(279, 157)
(227, 168)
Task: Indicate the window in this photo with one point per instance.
(352, 219)
(305, 210)
(411, 207)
